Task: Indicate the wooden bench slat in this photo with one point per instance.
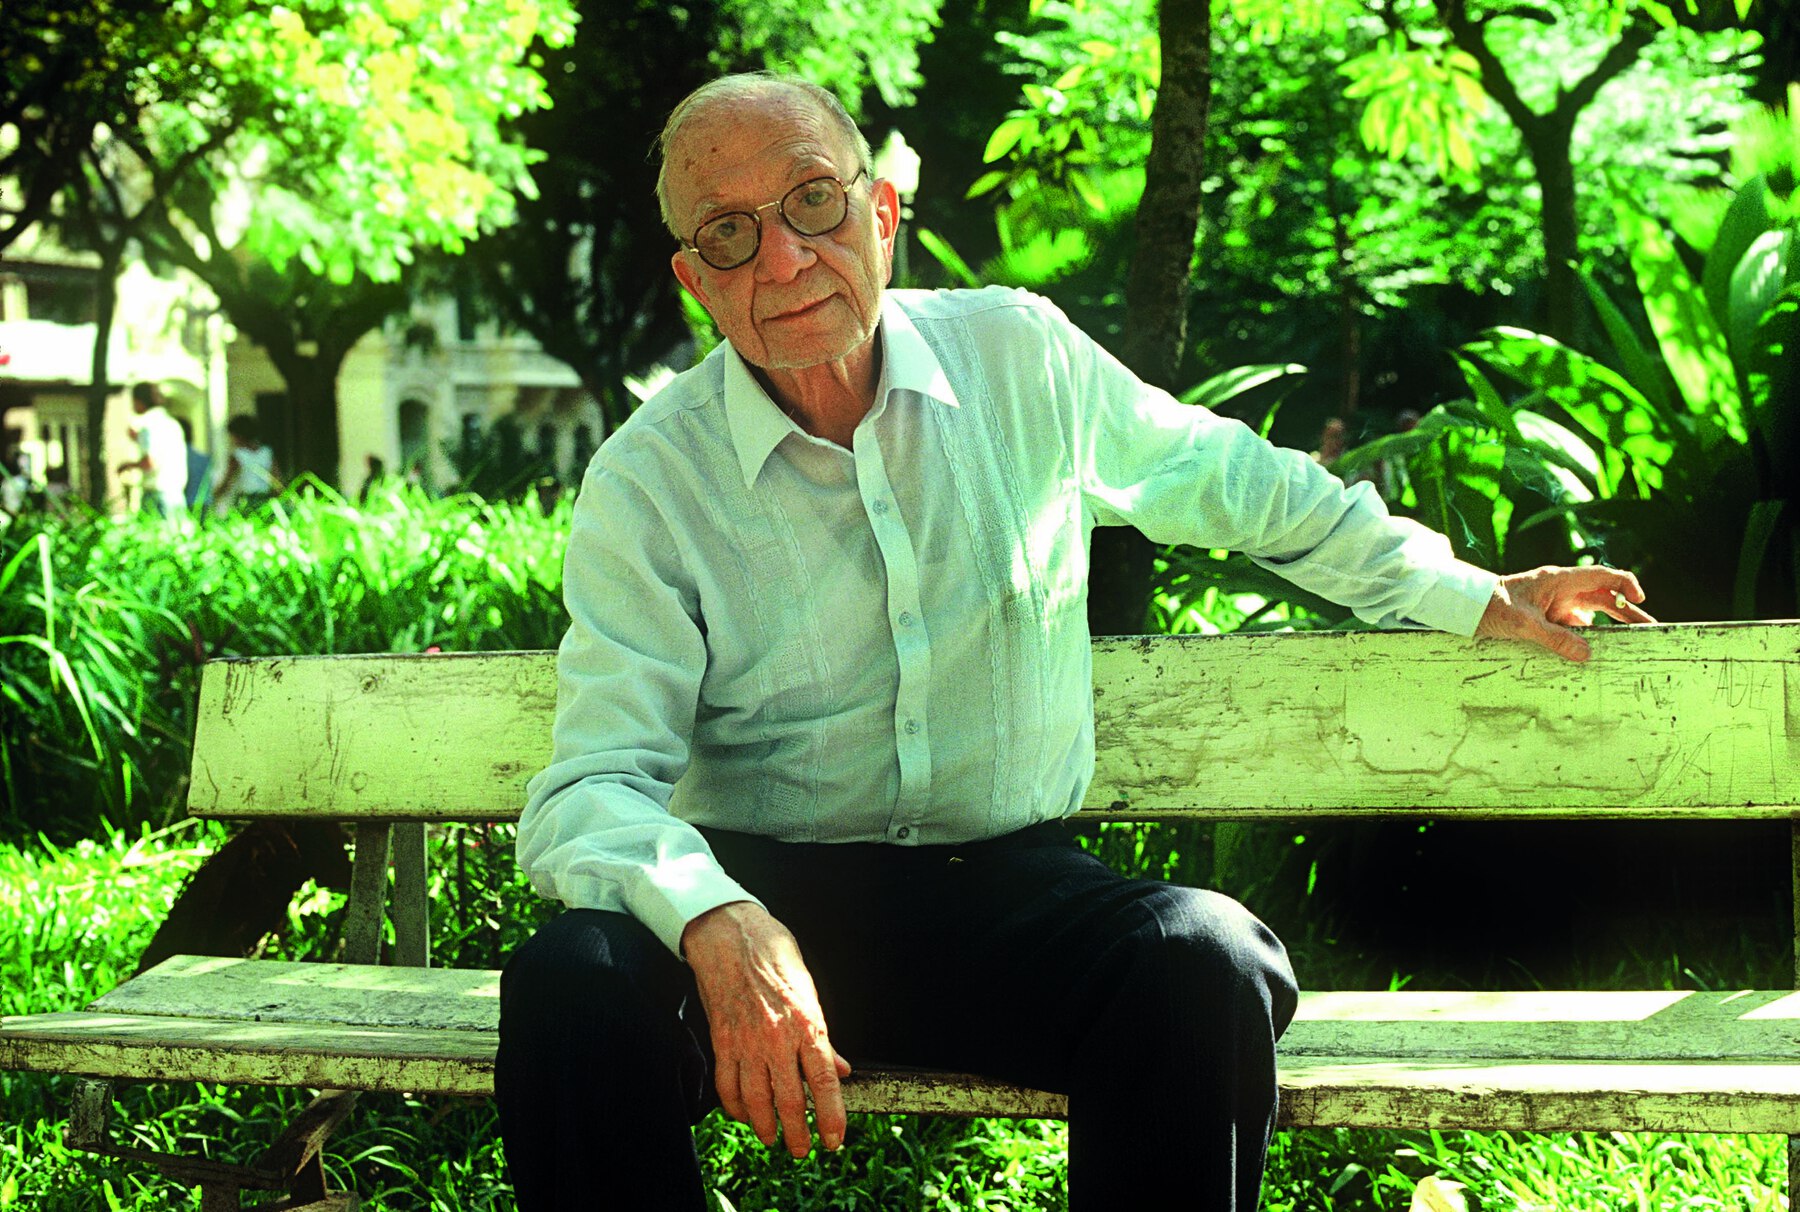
(1324, 1092)
(1747, 1025)
(1671, 1025)
(233, 1051)
(1538, 1096)
(1666, 721)
(454, 999)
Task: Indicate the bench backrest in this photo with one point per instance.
(1691, 720)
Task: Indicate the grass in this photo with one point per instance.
(104, 625)
(73, 918)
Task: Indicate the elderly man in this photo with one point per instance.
(825, 701)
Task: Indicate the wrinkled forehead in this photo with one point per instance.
(739, 142)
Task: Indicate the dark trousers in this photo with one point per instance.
(1154, 1007)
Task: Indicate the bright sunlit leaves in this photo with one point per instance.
(374, 125)
(1422, 100)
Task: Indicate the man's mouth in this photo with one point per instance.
(805, 309)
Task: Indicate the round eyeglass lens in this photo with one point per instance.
(814, 207)
(727, 241)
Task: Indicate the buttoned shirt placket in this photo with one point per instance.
(906, 623)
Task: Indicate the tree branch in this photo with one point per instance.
(1620, 57)
(1471, 38)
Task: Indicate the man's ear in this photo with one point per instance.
(885, 200)
(689, 277)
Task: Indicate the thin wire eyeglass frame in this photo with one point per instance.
(780, 206)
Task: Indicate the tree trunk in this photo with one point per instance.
(1156, 295)
(1548, 140)
(312, 435)
(106, 306)
(1550, 144)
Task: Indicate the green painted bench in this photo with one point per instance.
(1695, 720)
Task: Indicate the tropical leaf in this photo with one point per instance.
(946, 256)
(1626, 427)
(1645, 369)
(1401, 445)
(1758, 280)
(1692, 342)
(1751, 553)
(1749, 216)
(1229, 384)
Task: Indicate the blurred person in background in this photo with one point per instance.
(162, 453)
(251, 476)
(199, 465)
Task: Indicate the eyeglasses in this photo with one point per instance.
(812, 208)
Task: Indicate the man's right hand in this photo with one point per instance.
(768, 1033)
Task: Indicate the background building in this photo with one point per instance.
(433, 395)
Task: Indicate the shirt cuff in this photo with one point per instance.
(1458, 599)
(680, 891)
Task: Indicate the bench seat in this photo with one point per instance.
(1632, 1061)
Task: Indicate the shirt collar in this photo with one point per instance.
(758, 425)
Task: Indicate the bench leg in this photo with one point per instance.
(1793, 1168)
(292, 1164)
(221, 1197)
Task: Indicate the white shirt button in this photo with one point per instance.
(906, 619)
(912, 727)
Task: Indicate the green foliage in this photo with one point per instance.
(73, 920)
(1422, 100)
(1087, 112)
(1676, 451)
(1308, 225)
(103, 625)
(1067, 163)
(1705, 410)
(365, 128)
(844, 48)
(1425, 97)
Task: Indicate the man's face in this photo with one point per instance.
(801, 300)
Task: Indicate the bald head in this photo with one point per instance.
(745, 91)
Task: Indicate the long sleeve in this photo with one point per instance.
(1182, 474)
(596, 831)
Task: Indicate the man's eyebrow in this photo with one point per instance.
(805, 169)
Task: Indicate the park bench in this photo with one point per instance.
(1695, 721)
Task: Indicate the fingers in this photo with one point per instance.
(823, 1067)
(728, 1081)
(790, 1105)
(1612, 591)
(774, 1104)
(1624, 610)
(769, 1039)
(1541, 606)
(1560, 640)
(758, 1108)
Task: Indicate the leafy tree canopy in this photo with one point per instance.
(344, 133)
(1404, 175)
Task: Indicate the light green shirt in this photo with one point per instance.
(775, 635)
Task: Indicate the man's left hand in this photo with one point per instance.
(1542, 605)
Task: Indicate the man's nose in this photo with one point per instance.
(784, 252)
